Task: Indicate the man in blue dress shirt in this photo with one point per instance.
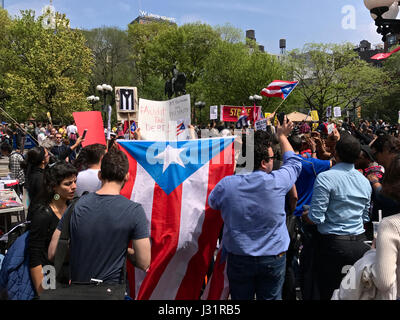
(339, 207)
(252, 206)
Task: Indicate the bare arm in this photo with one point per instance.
(53, 244)
(37, 278)
(140, 254)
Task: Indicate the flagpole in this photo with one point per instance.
(286, 97)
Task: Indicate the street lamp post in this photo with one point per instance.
(200, 105)
(255, 99)
(105, 89)
(93, 100)
(384, 13)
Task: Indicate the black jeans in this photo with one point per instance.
(332, 255)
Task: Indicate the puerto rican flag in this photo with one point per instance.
(279, 88)
(180, 128)
(172, 181)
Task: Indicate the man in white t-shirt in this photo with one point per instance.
(88, 163)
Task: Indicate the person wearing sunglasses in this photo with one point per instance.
(60, 150)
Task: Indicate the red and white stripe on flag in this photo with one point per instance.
(184, 229)
(218, 286)
(274, 89)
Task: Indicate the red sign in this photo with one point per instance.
(93, 122)
(231, 114)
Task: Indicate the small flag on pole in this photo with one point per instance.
(279, 88)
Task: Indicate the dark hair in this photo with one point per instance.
(388, 142)
(296, 142)
(348, 148)
(262, 142)
(6, 147)
(52, 177)
(114, 166)
(33, 159)
(391, 180)
(89, 155)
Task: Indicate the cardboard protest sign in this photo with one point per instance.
(93, 122)
(329, 112)
(158, 119)
(126, 101)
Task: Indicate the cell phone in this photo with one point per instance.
(281, 117)
(84, 134)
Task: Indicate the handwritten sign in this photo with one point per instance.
(158, 119)
(261, 125)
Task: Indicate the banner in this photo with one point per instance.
(92, 121)
(399, 117)
(158, 119)
(213, 112)
(231, 113)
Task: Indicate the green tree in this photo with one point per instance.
(5, 57)
(334, 75)
(112, 58)
(234, 72)
(49, 70)
(385, 104)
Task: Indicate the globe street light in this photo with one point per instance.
(384, 12)
(105, 89)
(93, 100)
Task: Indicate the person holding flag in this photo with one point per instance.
(242, 120)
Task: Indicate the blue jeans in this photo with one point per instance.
(261, 276)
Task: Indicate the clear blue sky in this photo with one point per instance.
(299, 21)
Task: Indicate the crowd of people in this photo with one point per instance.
(303, 214)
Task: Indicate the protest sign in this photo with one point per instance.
(399, 117)
(329, 112)
(93, 122)
(261, 125)
(213, 112)
(232, 113)
(126, 101)
(337, 112)
(158, 119)
(314, 115)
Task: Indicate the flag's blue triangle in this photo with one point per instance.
(170, 163)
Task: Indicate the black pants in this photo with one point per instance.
(332, 255)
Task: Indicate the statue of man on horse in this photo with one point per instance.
(177, 84)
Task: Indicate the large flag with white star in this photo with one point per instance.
(279, 88)
(172, 181)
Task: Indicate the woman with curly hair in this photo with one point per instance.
(59, 184)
